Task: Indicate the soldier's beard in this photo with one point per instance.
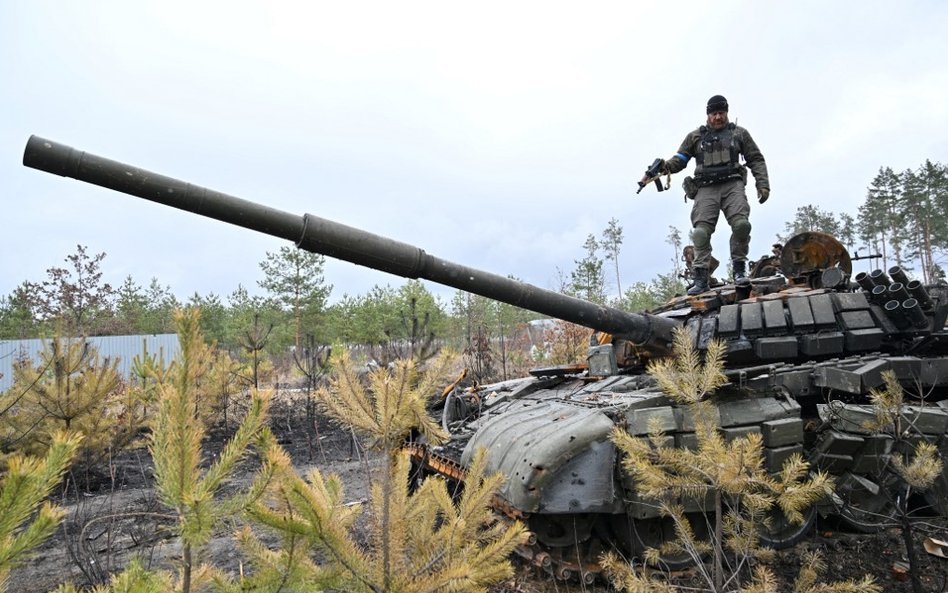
(719, 125)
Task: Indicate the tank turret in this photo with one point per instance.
(806, 343)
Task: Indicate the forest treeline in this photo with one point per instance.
(901, 221)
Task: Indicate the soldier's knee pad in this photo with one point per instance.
(701, 236)
(741, 228)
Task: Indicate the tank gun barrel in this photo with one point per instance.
(336, 240)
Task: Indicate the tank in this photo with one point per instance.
(806, 342)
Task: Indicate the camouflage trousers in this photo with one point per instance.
(728, 197)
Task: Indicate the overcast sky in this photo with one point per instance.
(494, 134)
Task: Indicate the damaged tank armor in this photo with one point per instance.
(804, 348)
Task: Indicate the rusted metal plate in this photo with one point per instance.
(811, 252)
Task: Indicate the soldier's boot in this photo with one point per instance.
(740, 271)
(701, 282)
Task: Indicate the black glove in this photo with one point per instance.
(762, 194)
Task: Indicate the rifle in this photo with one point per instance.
(654, 173)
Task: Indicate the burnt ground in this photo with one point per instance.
(113, 515)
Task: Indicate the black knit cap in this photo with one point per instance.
(717, 103)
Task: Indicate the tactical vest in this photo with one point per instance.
(717, 156)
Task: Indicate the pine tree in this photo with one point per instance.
(161, 305)
(192, 493)
(611, 244)
(909, 468)
(25, 520)
(731, 475)
(587, 280)
(923, 201)
(674, 239)
(373, 315)
(295, 279)
(811, 218)
(189, 487)
(130, 307)
(419, 319)
(71, 388)
(213, 316)
(880, 221)
(423, 542)
(17, 315)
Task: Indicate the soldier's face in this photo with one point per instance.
(717, 120)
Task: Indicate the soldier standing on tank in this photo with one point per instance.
(718, 186)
